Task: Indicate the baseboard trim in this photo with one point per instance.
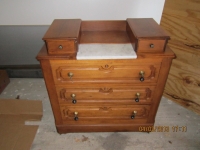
(23, 71)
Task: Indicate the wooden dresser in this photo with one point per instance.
(103, 95)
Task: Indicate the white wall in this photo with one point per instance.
(20, 44)
(42, 12)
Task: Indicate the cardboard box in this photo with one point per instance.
(4, 80)
(14, 134)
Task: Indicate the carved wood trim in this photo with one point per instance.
(58, 73)
(106, 90)
(66, 112)
(62, 94)
(105, 109)
(144, 112)
(106, 68)
(153, 72)
(148, 93)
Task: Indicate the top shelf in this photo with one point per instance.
(146, 28)
(103, 32)
(144, 34)
(106, 37)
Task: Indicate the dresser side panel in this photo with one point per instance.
(163, 74)
(48, 77)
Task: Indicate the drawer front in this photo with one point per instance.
(93, 95)
(61, 46)
(151, 46)
(105, 73)
(105, 114)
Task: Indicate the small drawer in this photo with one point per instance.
(107, 94)
(62, 36)
(105, 114)
(61, 46)
(146, 35)
(149, 46)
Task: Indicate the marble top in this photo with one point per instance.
(106, 51)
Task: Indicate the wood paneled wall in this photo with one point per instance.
(181, 19)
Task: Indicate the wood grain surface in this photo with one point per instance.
(181, 19)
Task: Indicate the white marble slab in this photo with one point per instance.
(106, 51)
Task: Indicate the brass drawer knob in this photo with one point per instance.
(151, 45)
(60, 47)
(137, 99)
(76, 116)
(141, 73)
(70, 75)
(134, 114)
(73, 95)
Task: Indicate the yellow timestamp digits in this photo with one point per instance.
(154, 129)
(162, 128)
(179, 128)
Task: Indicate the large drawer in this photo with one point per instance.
(107, 94)
(104, 72)
(105, 114)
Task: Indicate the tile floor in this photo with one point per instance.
(169, 115)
